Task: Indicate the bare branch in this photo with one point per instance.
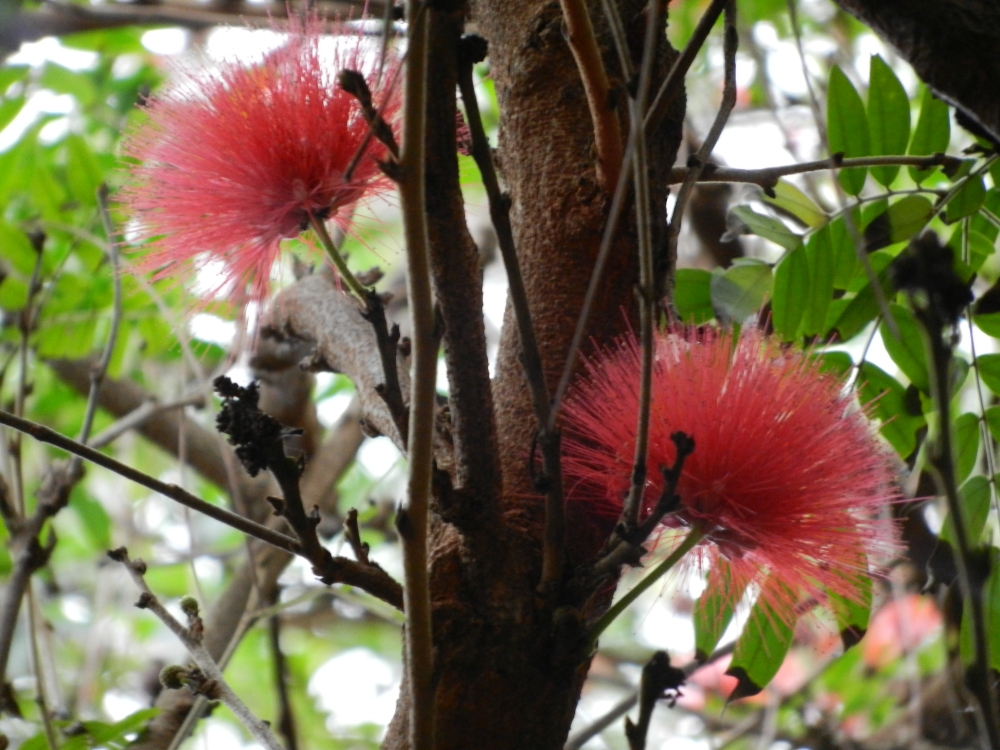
(473, 51)
(587, 53)
(412, 518)
(45, 435)
(209, 682)
(768, 177)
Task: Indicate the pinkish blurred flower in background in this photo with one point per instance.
(235, 160)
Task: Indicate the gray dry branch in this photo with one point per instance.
(326, 331)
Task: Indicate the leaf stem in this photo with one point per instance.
(622, 604)
(338, 260)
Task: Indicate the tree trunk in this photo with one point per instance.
(502, 680)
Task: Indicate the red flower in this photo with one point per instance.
(236, 160)
(786, 480)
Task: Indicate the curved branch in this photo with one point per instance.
(320, 325)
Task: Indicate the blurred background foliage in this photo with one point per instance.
(792, 250)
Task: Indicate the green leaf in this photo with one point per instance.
(9, 110)
(65, 81)
(887, 400)
(739, 291)
(989, 371)
(821, 260)
(966, 432)
(762, 645)
(993, 421)
(844, 253)
(991, 608)
(837, 363)
(13, 294)
(68, 341)
(908, 351)
(693, 295)
(10, 74)
(988, 324)
(847, 128)
(932, 134)
(974, 496)
(853, 613)
(16, 249)
(714, 610)
(863, 308)
(901, 221)
(83, 173)
(791, 293)
(93, 518)
(789, 198)
(888, 116)
(966, 201)
(744, 220)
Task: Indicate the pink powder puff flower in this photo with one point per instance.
(235, 160)
(787, 480)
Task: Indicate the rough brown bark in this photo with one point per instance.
(952, 44)
(502, 682)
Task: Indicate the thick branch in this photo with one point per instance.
(455, 268)
(319, 323)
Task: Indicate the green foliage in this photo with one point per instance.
(932, 134)
(847, 128)
(888, 116)
(761, 647)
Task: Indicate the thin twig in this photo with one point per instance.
(660, 679)
(210, 682)
(138, 416)
(100, 368)
(675, 78)
(625, 547)
(768, 177)
(647, 280)
(697, 163)
(387, 341)
(412, 518)
(286, 717)
(354, 84)
(472, 51)
(46, 435)
(258, 438)
(579, 739)
(618, 202)
(587, 53)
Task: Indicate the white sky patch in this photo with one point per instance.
(119, 705)
(356, 687)
(170, 41)
(213, 329)
(42, 102)
(247, 45)
(49, 49)
(377, 456)
(330, 410)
